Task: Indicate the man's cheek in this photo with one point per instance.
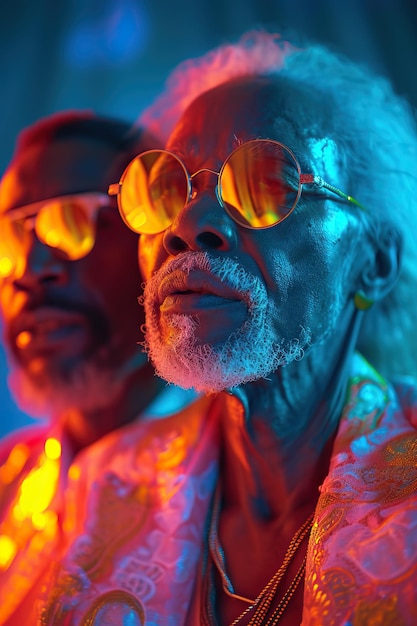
(11, 302)
(150, 253)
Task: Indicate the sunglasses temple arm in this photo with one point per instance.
(312, 179)
(114, 189)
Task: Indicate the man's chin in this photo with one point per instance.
(48, 393)
(199, 367)
(208, 378)
(211, 369)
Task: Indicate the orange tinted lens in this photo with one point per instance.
(154, 189)
(67, 225)
(14, 242)
(260, 184)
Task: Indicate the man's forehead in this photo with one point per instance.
(250, 108)
(60, 168)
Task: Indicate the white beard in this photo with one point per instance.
(251, 352)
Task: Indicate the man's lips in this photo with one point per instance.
(196, 282)
(182, 292)
(46, 327)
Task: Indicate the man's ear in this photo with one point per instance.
(382, 269)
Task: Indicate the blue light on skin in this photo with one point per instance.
(325, 150)
(326, 155)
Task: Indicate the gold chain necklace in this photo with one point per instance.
(262, 603)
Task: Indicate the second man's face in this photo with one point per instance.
(61, 314)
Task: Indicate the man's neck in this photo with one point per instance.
(291, 417)
(84, 427)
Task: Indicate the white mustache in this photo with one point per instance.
(227, 270)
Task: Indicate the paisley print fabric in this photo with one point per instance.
(362, 558)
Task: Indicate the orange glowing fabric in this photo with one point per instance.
(98, 505)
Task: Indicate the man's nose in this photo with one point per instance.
(42, 265)
(202, 224)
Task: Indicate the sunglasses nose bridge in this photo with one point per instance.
(206, 170)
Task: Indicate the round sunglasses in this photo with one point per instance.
(67, 223)
(258, 185)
